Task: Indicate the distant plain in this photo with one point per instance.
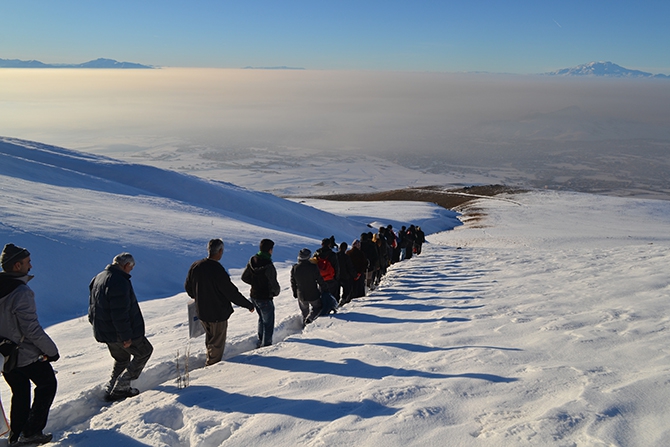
(355, 131)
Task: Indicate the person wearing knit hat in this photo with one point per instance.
(307, 285)
(30, 362)
(12, 254)
(305, 254)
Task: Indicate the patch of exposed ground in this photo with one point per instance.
(460, 200)
(453, 199)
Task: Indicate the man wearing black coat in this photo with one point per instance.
(347, 273)
(360, 262)
(210, 286)
(117, 321)
(307, 285)
(369, 248)
(261, 274)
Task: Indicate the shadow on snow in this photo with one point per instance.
(406, 346)
(353, 368)
(357, 317)
(214, 399)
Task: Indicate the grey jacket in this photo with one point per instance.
(18, 319)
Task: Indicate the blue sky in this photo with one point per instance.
(468, 35)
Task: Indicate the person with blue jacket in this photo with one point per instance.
(117, 321)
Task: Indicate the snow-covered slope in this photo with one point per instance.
(75, 211)
(543, 324)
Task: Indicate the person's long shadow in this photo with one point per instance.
(406, 346)
(100, 438)
(417, 307)
(214, 399)
(353, 368)
(357, 317)
(401, 295)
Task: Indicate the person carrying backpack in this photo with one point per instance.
(329, 267)
(261, 274)
(307, 285)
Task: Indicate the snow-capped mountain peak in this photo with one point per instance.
(605, 69)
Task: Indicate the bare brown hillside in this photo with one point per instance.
(447, 198)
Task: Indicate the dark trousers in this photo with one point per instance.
(27, 419)
(334, 287)
(266, 320)
(359, 287)
(126, 369)
(310, 310)
(347, 288)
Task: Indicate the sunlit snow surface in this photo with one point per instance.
(545, 323)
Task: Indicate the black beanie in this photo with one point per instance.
(11, 254)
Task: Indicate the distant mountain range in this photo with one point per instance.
(98, 63)
(283, 67)
(604, 69)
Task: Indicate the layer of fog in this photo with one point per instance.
(596, 135)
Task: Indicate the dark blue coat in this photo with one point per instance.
(113, 309)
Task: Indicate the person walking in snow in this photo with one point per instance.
(419, 241)
(400, 250)
(261, 274)
(208, 283)
(328, 265)
(347, 274)
(371, 251)
(392, 240)
(117, 321)
(307, 285)
(361, 263)
(31, 360)
(408, 241)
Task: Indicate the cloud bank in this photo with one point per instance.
(430, 120)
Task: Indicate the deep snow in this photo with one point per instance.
(542, 324)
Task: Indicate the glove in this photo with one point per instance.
(52, 358)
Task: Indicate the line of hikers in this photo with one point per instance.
(332, 277)
(350, 272)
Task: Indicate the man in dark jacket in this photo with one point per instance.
(210, 286)
(329, 266)
(307, 285)
(369, 248)
(360, 262)
(408, 239)
(19, 324)
(419, 241)
(117, 321)
(347, 274)
(261, 274)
